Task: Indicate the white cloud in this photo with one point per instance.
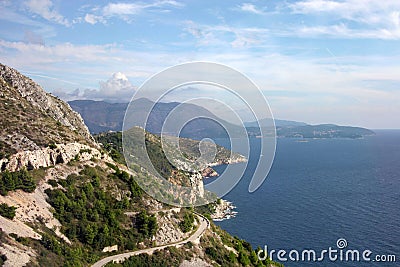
(135, 8)
(93, 19)
(369, 18)
(343, 31)
(65, 52)
(44, 8)
(312, 6)
(247, 7)
(122, 9)
(126, 11)
(115, 89)
(222, 35)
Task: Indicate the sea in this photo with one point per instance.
(323, 194)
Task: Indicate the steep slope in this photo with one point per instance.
(32, 118)
(36, 129)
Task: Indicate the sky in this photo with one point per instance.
(317, 61)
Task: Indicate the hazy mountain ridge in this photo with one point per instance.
(278, 123)
(101, 116)
(323, 131)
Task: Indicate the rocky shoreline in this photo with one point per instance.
(224, 210)
(236, 159)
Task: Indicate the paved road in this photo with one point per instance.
(204, 224)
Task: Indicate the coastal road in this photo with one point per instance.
(204, 224)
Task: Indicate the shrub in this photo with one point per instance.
(7, 211)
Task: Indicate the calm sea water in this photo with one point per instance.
(320, 191)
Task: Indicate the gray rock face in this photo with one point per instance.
(46, 157)
(54, 107)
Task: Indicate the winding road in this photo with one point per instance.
(204, 224)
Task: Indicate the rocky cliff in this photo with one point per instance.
(32, 118)
(46, 157)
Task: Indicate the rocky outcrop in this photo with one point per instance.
(110, 248)
(168, 229)
(196, 182)
(223, 210)
(234, 159)
(209, 172)
(46, 157)
(196, 262)
(17, 254)
(17, 227)
(52, 106)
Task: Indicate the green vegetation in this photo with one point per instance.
(216, 251)
(170, 256)
(206, 210)
(112, 143)
(10, 181)
(63, 255)
(146, 224)
(3, 258)
(52, 182)
(7, 211)
(20, 239)
(188, 219)
(52, 146)
(93, 217)
(154, 150)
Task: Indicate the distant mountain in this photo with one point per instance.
(323, 131)
(278, 123)
(102, 116)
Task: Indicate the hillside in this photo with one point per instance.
(65, 202)
(112, 142)
(32, 118)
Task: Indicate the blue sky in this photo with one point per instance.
(315, 60)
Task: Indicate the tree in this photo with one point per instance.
(146, 225)
(90, 233)
(243, 258)
(9, 184)
(187, 224)
(7, 211)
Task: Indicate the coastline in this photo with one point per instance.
(224, 210)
